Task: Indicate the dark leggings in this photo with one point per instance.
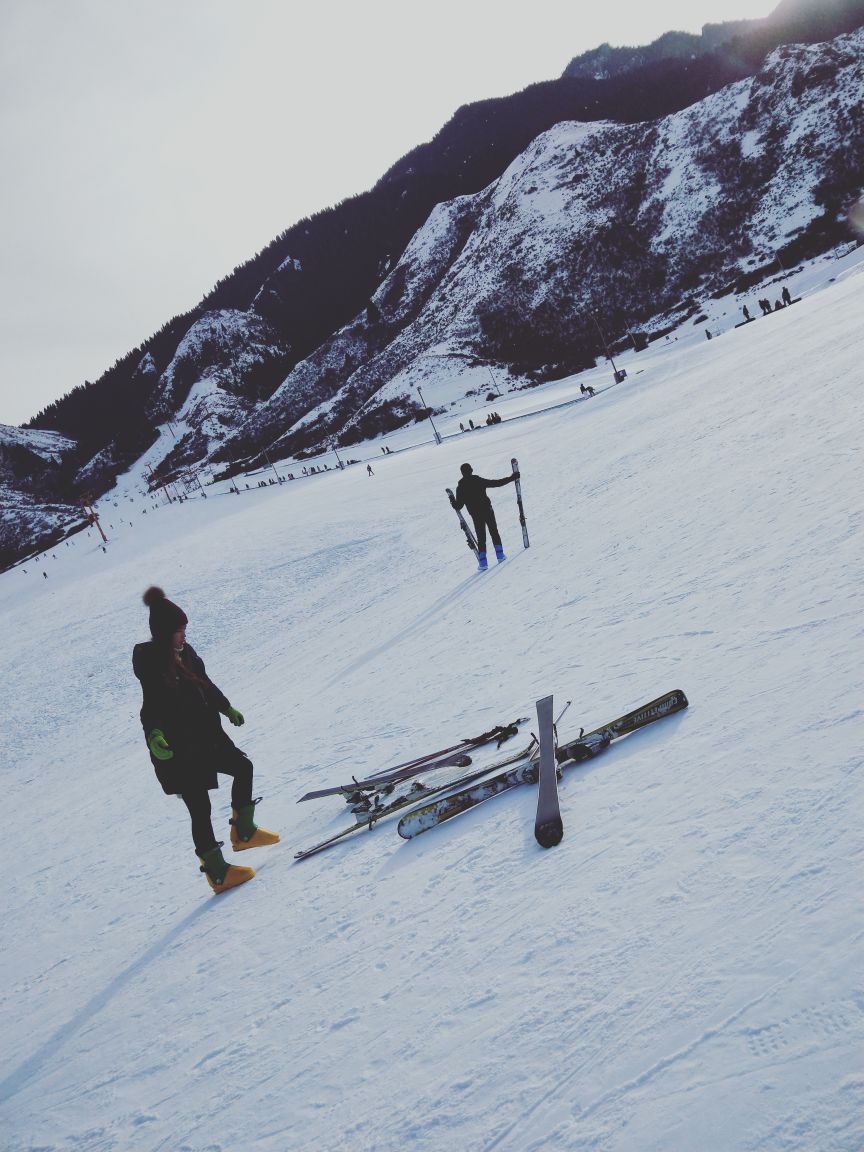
(481, 520)
(197, 800)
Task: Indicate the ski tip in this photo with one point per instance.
(549, 834)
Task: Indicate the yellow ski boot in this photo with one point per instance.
(244, 831)
(220, 875)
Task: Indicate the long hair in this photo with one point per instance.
(172, 662)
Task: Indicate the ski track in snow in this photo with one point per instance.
(682, 972)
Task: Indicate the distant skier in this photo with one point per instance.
(471, 494)
(786, 295)
(180, 716)
(369, 471)
(746, 312)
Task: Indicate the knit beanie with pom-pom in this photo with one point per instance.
(166, 617)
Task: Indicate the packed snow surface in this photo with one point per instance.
(683, 973)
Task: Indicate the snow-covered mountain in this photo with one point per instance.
(638, 222)
(597, 231)
(214, 381)
(34, 481)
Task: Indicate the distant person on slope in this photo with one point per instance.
(180, 715)
(471, 494)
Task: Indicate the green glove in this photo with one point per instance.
(235, 717)
(158, 745)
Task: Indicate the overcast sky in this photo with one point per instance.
(149, 146)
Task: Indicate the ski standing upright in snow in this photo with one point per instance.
(548, 825)
(469, 535)
(514, 463)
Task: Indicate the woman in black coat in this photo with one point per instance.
(181, 716)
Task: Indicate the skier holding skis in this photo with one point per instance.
(180, 714)
(471, 494)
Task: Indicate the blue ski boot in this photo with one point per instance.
(499, 553)
(482, 562)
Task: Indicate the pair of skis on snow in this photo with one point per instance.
(384, 782)
(470, 538)
(533, 763)
(548, 826)
(373, 799)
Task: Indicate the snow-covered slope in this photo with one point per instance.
(682, 972)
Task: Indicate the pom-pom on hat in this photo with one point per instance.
(166, 617)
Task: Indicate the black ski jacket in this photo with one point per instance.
(471, 493)
(187, 711)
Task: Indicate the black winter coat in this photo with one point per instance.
(471, 493)
(187, 712)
